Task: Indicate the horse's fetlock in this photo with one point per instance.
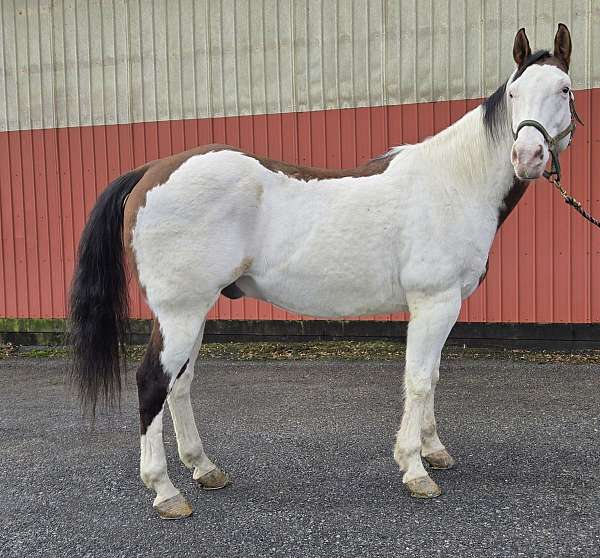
(428, 430)
(151, 475)
(403, 453)
(191, 456)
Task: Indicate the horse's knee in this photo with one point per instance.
(418, 386)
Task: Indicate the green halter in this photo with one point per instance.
(552, 142)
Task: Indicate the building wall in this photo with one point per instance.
(89, 89)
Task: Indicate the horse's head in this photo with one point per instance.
(540, 104)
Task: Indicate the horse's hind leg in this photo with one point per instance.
(189, 444)
(432, 318)
(432, 449)
(153, 385)
(167, 355)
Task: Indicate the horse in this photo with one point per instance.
(410, 230)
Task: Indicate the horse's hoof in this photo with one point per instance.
(214, 480)
(176, 507)
(423, 487)
(439, 460)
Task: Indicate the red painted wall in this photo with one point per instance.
(544, 263)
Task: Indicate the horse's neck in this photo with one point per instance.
(472, 164)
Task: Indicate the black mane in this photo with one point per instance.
(494, 107)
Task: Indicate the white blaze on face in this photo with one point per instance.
(542, 94)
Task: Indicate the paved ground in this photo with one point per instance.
(309, 446)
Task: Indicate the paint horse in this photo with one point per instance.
(410, 230)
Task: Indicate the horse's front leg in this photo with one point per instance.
(432, 449)
(432, 318)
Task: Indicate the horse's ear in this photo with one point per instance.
(521, 50)
(562, 44)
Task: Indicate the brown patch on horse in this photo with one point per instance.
(371, 168)
(562, 45)
(483, 275)
(242, 268)
(152, 382)
(511, 199)
(553, 61)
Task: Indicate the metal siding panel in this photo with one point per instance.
(594, 124)
(100, 60)
(18, 219)
(526, 278)
(8, 277)
(580, 184)
(542, 264)
(49, 165)
(43, 177)
(29, 232)
(79, 63)
(58, 70)
(65, 185)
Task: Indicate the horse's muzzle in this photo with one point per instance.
(529, 160)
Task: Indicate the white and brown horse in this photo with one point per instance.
(410, 230)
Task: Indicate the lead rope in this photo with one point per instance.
(570, 200)
(554, 175)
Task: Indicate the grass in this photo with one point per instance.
(330, 350)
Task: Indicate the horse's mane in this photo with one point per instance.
(494, 107)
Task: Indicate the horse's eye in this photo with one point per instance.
(565, 90)
(510, 95)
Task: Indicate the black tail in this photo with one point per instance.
(98, 301)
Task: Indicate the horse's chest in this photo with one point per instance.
(452, 250)
(476, 249)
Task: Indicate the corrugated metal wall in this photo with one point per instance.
(86, 63)
(89, 89)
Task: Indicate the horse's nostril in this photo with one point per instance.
(539, 152)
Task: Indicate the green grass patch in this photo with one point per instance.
(329, 350)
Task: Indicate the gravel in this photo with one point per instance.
(309, 446)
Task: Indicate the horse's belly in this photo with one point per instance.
(326, 296)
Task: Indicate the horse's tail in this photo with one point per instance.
(99, 306)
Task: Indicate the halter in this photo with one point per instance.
(552, 142)
(553, 175)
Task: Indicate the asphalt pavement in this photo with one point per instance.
(309, 446)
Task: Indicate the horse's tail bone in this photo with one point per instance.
(99, 307)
